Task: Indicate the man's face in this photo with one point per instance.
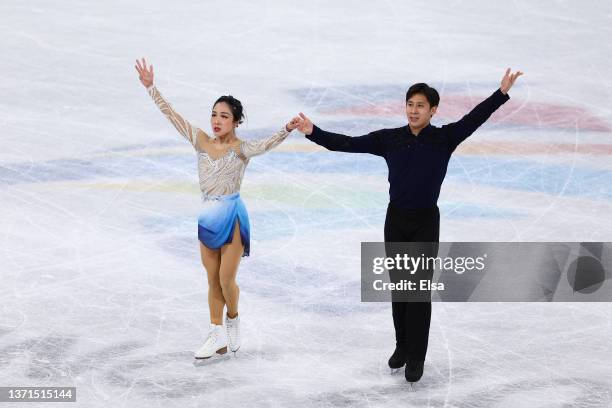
(418, 111)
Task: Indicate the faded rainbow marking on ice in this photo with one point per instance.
(515, 113)
(383, 106)
(162, 172)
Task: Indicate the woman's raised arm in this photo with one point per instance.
(189, 132)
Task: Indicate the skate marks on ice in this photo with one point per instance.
(337, 297)
(43, 357)
(177, 375)
(168, 376)
(437, 390)
(130, 367)
(584, 393)
(54, 357)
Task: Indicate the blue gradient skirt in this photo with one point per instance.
(218, 218)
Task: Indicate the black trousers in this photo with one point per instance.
(412, 319)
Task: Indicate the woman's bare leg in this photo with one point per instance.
(230, 260)
(211, 259)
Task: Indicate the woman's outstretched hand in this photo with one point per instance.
(508, 80)
(305, 125)
(144, 74)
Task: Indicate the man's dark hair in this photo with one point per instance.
(421, 88)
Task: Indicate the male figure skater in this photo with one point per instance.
(417, 156)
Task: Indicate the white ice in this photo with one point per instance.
(102, 286)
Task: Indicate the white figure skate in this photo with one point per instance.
(216, 342)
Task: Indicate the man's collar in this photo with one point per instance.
(423, 131)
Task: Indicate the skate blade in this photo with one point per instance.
(221, 351)
(394, 370)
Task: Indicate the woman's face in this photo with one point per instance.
(222, 120)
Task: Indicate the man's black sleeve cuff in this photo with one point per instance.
(499, 96)
(314, 136)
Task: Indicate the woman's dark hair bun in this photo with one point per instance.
(235, 106)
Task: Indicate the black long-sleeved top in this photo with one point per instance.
(417, 164)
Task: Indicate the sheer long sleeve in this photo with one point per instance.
(252, 148)
(185, 128)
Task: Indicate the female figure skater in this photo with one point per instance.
(223, 225)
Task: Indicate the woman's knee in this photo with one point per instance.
(228, 284)
(214, 284)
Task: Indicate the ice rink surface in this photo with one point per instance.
(102, 286)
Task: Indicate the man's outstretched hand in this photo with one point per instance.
(305, 126)
(508, 80)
